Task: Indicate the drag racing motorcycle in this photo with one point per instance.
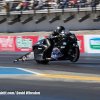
(66, 48)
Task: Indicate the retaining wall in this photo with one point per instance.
(87, 43)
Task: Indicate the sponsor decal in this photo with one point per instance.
(39, 48)
(23, 43)
(30, 56)
(95, 43)
(56, 53)
(92, 43)
(64, 43)
(7, 43)
(38, 42)
(41, 37)
(24, 58)
(62, 46)
(80, 43)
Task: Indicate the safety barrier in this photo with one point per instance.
(87, 43)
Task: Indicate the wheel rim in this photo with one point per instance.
(74, 54)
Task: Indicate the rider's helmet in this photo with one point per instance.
(59, 29)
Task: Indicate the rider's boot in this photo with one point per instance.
(50, 59)
(46, 58)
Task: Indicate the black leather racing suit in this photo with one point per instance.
(50, 43)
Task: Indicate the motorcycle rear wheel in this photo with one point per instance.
(74, 54)
(39, 61)
(42, 62)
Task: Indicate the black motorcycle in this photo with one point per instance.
(65, 48)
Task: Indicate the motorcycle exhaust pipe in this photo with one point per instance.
(50, 59)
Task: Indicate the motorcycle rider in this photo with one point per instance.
(53, 37)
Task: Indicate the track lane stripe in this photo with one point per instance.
(69, 77)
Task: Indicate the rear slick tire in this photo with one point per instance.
(39, 61)
(75, 54)
(42, 62)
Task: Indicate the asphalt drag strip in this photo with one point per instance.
(68, 77)
(58, 80)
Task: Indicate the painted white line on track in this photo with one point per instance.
(30, 71)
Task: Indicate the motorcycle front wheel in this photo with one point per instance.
(74, 54)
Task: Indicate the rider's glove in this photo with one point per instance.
(59, 36)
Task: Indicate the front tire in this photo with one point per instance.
(74, 54)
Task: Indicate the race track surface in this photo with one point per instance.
(57, 80)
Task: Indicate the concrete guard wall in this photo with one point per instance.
(73, 24)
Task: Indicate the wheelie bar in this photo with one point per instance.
(27, 57)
